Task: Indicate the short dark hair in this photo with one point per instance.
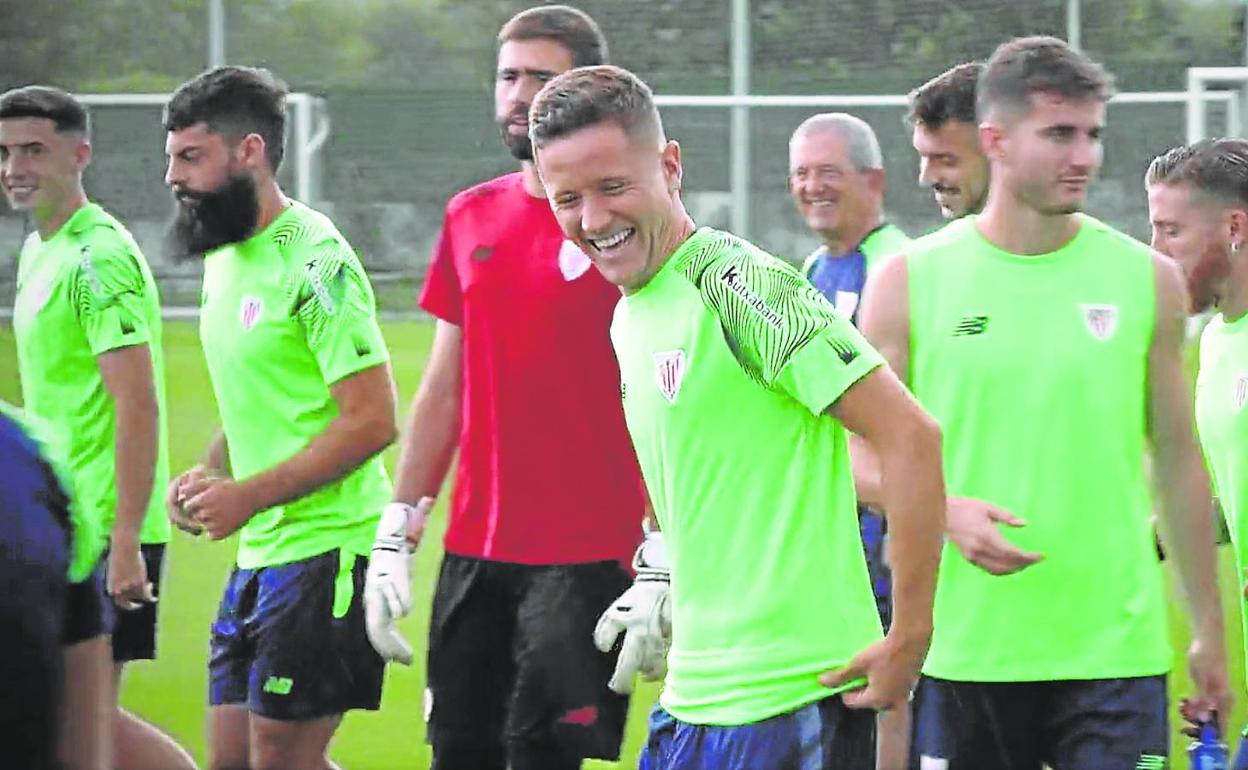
(587, 96)
(948, 96)
(1217, 168)
(1031, 65)
(572, 28)
(67, 114)
(235, 101)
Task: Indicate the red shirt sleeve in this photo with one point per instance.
(442, 296)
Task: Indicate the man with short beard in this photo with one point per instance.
(302, 380)
(945, 134)
(523, 384)
(1198, 206)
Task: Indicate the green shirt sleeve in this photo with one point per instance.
(338, 313)
(106, 289)
(784, 333)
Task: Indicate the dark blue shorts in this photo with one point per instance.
(1241, 756)
(1097, 724)
(874, 531)
(825, 735)
(88, 614)
(134, 631)
(289, 641)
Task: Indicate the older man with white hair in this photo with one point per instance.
(836, 178)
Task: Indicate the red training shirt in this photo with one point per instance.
(547, 473)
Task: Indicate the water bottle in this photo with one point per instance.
(1208, 752)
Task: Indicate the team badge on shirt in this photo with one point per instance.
(250, 313)
(572, 261)
(1240, 395)
(1102, 320)
(669, 370)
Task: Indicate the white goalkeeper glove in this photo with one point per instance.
(388, 583)
(644, 614)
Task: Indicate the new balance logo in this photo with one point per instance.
(972, 324)
(279, 685)
(844, 351)
(1151, 762)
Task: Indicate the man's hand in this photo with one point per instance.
(644, 614)
(891, 668)
(175, 498)
(1206, 661)
(220, 506)
(388, 582)
(972, 526)
(127, 573)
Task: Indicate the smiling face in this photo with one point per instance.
(831, 195)
(614, 195)
(40, 167)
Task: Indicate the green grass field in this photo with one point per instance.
(171, 691)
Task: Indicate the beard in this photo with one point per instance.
(211, 219)
(519, 145)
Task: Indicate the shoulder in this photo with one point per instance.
(306, 236)
(1109, 240)
(102, 236)
(485, 194)
(949, 234)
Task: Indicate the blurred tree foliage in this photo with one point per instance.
(678, 45)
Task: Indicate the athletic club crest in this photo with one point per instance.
(572, 261)
(669, 370)
(252, 307)
(1240, 395)
(1101, 320)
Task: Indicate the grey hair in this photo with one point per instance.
(862, 145)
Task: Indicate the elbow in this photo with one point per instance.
(923, 436)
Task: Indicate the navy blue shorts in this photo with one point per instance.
(825, 735)
(512, 665)
(289, 641)
(134, 631)
(88, 614)
(1096, 724)
(874, 531)
(1241, 756)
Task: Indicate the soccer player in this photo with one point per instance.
(836, 178)
(1048, 345)
(302, 381)
(945, 134)
(1198, 206)
(739, 381)
(548, 498)
(87, 326)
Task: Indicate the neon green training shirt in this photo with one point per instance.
(729, 360)
(286, 314)
(1036, 368)
(81, 293)
(1222, 422)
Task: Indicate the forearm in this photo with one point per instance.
(135, 449)
(216, 458)
(1186, 524)
(430, 439)
(913, 497)
(866, 467)
(343, 446)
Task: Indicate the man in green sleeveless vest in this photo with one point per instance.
(1048, 345)
(1198, 206)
